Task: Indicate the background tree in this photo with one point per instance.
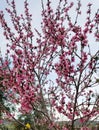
(62, 49)
(3, 104)
(1, 101)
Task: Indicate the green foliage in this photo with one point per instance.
(17, 126)
(25, 118)
(3, 127)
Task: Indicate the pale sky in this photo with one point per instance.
(35, 9)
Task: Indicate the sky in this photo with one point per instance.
(35, 9)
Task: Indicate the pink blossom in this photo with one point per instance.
(18, 51)
(85, 128)
(61, 48)
(64, 128)
(1, 121)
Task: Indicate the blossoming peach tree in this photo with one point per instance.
(52, 71)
